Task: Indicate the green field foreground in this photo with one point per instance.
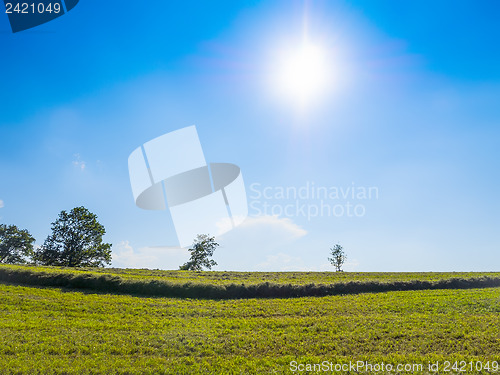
(53, 330)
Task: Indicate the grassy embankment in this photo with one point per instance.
(59, 330)
(231, 285)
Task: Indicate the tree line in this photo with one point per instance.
(76, 241)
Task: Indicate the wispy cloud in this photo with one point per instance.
(256, 239)
(251, 244)
(1, 203)
(125, 256)
(283, 262)
(351, 265)
(80, 164)
(280, 228)
(287, 262)
(263, 232)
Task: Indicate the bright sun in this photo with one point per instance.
(303, 73)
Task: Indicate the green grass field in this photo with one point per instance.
(48, 330)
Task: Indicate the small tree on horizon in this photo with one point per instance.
(76, 241)
(203, 248)
(338, 257)
(16, 245)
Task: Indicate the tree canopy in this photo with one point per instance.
(16, 245)
(338, 257)
(76, 241)
(203, 248)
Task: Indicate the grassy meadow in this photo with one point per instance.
(61, 330)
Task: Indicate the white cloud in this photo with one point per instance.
(1, 203)
(350, 265)
(286, 262)
(80, 164)
(273, 228)
(249, 245)
(268, 232)
(283, 262)
(124, 256)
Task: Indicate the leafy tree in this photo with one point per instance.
(76, 241)
(15, 244)
(338, 257)
(203, 248)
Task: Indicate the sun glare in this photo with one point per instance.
(303, 73)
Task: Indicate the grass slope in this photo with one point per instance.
(249, 278)
(54, 331)
(48, 330)
(113, 281)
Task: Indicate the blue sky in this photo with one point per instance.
(412, 110)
